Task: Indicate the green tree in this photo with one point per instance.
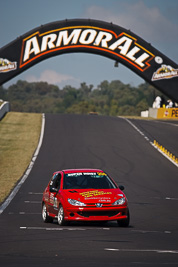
(109, 98)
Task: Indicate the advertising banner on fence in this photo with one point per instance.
(167, 113)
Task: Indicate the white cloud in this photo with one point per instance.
(52, 77)
(147, 22)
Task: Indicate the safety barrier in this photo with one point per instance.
(4, 108)
(166, 153)
(163, 113)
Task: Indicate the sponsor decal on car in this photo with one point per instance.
(101, 174)
(165, 72)
(94, 193)
(6, 65)
(94, 174)
(123, 45)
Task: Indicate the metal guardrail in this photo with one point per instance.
(4, 108)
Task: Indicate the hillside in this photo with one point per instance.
(109, 98)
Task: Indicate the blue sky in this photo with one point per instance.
(156, 21)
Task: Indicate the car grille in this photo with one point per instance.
(97, 213)
(94, 204)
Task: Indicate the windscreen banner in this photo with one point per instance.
(90, 36)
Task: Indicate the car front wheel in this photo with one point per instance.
(125, 222)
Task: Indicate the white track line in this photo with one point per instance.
(33, 193)
(142, 250)
(28, 170)
(170, 124)
(33, 202)
(60, 229)
(152, 232)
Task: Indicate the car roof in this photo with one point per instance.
(81, 170)
(77, 170)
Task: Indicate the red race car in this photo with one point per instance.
(84, 195)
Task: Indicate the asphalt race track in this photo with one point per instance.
(151, 186)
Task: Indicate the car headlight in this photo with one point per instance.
(76, 202)
(120, 201)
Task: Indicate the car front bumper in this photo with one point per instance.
(95, 214)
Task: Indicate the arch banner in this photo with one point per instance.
(90, 36)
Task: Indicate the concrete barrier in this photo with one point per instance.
(153, 112)
(144, 113)
(4, 108)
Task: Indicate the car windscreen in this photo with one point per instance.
(88, 180)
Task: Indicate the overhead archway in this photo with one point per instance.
(90, 36)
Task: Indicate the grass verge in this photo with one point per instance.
(19, 136)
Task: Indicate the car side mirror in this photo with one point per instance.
(53, 190)
(121, 187)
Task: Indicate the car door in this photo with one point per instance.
(54, 188)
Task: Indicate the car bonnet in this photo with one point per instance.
(95, 195)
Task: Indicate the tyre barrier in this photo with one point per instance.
(166, 153)
(4, 108)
